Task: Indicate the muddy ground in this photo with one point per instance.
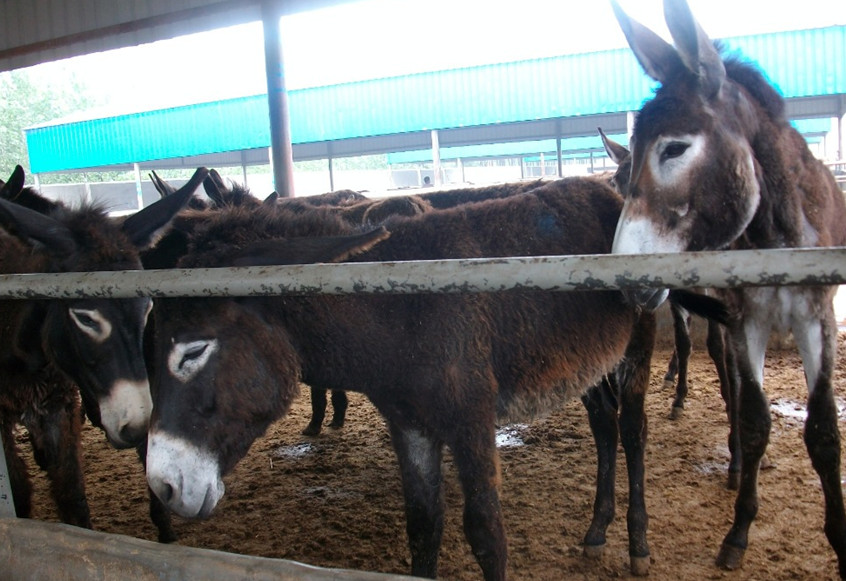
(335, 500)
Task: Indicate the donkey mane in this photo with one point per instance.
(94, 231)
(746, 73)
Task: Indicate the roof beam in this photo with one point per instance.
(34, 31)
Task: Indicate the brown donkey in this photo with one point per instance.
(716, 165)
(440, 368)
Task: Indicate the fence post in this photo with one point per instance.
(7, 504)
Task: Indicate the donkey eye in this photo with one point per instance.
(187, 359)
(85, 320)
(92, 323)
(193, 352)
(674, 149)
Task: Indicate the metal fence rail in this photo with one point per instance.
(550, 273)
(726, 269)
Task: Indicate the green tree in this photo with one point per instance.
(27, 100)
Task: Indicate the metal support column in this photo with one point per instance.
(436, 157)
(559, 157)
(139, 194)
(281, 152)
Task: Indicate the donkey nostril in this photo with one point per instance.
(132, 435)
(165, 492)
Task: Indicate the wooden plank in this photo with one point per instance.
(34, 550)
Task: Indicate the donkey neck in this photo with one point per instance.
(779, 221)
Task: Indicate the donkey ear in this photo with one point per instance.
(145, 226)
(616, 151)
(164, 188)
(696, 50)
(271, 199)
(14, 191)
(310, 250)
(31, 226)
(215, 188)
(657, 57)
(10, 189)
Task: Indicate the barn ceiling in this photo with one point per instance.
(37, 31)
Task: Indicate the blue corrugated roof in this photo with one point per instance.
(800, 63)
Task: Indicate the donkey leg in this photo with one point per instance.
(57, 434)
(731, 393)
(339, 408)
(420, 467)
(18, 473)
(478, 467)
(601, 404)
(681, 324)
(318, 412)
(822, 437)
(716, 345)
(672, 370)
(633, 379)
(754, 424)
(159, 513)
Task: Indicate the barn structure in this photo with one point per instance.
(518, 109)
(430, 115)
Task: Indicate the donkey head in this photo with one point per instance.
(96, 342)
(693, 183)
(224, 369)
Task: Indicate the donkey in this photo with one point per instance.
(715, 341)
(53, 351)
(441, 369)
(374, 212)
(716, 165)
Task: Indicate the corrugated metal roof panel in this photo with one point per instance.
(191, 130)
(800, 63)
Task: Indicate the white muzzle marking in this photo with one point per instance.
(125, 413)
(639, 235)
(185, 477)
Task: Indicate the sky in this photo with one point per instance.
(379, 38)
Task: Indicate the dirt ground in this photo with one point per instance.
(335, 500)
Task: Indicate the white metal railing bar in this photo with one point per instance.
(551, 273)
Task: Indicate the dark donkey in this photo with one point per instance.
(374, 212)
(715, 164)
(50, 350)
(676, 375)
(442, 369)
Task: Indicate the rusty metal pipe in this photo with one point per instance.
(549, 273)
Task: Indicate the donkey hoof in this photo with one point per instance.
(766, 463)
(729, 557)
(311, 430)
(594, 551)
(668, 384)
(640, 566)
(676, 413)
